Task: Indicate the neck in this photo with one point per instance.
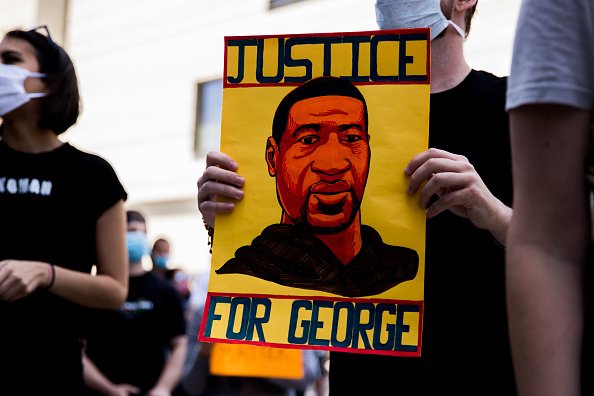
(346, 244)
(22, 136)
(448, 65)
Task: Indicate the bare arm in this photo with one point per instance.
(173, 369)
(107, 289)
(94, 379)
(546, 248)
(460, 189)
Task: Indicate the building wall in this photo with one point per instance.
(139, 61)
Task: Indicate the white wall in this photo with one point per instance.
(17, 13)
(489, 44)
(139, 62)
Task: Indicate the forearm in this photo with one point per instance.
(94, 378)
(100, 291)
(173, 369)
(545, 316)
(109, 287)
(19, 278)
(501, 222)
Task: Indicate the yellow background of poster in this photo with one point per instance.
(398, 124)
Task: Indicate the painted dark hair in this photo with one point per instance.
(61, 107)
(320, 86)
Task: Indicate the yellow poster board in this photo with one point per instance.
(255, 361)
(327, 249)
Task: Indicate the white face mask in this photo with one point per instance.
(12, 87)
(399, 14)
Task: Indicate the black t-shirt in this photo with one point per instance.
(465, 345)
(49, 207)
(130, 345)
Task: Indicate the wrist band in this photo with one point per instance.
(210, 234)
(51, 273)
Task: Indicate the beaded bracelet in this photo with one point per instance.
(210, 231)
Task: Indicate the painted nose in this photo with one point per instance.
(331, 157)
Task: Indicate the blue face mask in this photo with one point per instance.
(160, 260)
(401, 14)
(137, 246)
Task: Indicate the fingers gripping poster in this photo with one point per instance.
(327, 249)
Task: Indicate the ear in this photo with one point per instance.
(271, 152)
(464, 5)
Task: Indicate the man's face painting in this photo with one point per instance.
(323, 163)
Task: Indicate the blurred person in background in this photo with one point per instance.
(181, 282)
(141, 347)
(48, 247)
(160, 254)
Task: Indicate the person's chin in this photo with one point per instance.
(328, 224)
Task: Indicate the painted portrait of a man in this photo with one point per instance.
(319, 154)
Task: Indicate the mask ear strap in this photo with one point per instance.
(458, 29)
(32, 95)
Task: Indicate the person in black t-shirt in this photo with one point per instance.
(61, 213)
(467, 194)
(140, 347)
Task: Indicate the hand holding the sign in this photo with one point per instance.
(219, 180)
(459, 188)
(20, 278)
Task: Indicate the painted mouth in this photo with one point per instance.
(337, 187)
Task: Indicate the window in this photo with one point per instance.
(208, 116)
(280, 3)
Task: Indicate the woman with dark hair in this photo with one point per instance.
(47, 249)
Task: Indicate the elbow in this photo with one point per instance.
(117, 297)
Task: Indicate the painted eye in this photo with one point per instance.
(352, 138)
(309, 139)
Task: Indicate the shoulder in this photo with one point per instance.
(86, 158)
(488, 82)
(161, 289)
(552, 60)
(157, 282)
(486, 91)
(96, 173)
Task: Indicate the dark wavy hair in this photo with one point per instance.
(320, 86)
(62, 106)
